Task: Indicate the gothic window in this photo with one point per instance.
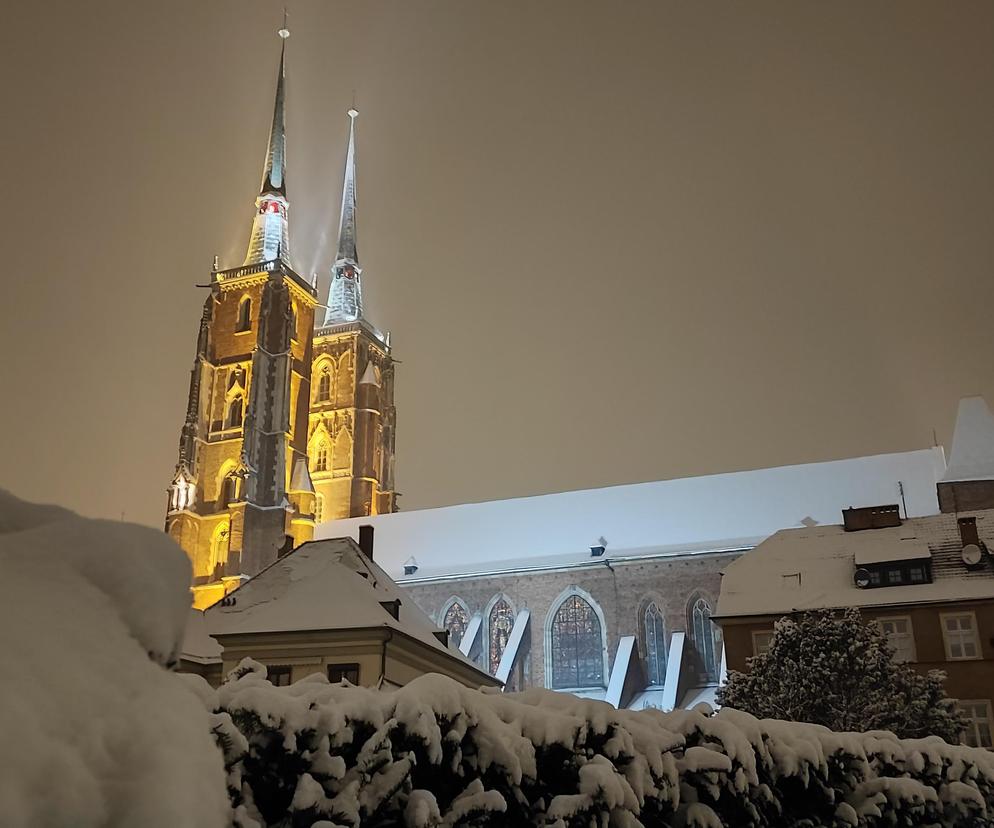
(703, 633)
(233, 418)
(499, 625)
(318, 508)
(577, 645)
(219, 547)
(342, 458)
(321, 457)
(456, 620)
(229, 490)
(655, 644)
(324, 383)
(244, 314)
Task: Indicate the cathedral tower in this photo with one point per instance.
(242, 494)
(352, 419)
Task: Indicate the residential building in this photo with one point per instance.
(927, 581)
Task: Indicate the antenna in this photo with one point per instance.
(284, 32)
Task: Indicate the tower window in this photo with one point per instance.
(324, 384)
(244, 314)
(318, 508)
(321, 458)
(236, 411)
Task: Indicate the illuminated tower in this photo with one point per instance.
(241, 494)
(352, 421)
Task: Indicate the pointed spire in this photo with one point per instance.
(270, 231)
(345, 291)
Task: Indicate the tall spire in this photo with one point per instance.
(270, 237)
(345, 292)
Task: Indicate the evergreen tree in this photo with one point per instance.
(832, 669)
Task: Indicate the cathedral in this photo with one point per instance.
(290, 421)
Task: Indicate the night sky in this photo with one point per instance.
(613, 242)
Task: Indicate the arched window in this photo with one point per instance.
(324, 383)
(244, 314)
(236, 410)
(318, 508)
(577, 645)
(219, 546)
(229, 489)
(703, 634)
(321, 457)
(654, 630)
(500, 622)
(342, 459)
(456, 620)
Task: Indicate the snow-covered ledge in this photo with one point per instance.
(510, 654)
(471, 635)
(622, 666)
(673, 664)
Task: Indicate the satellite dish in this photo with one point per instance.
(972, 554)
(861, 578)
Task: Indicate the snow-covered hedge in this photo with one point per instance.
(435, 753)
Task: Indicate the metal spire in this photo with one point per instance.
(270, 231)
(345, 292)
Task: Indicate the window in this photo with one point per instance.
(279, 676)
(655, 644)
(219, 547)
(321, 457)
(978, 730)
(900, 637)
(761, 640)
(894, 576)
(229, 490)
(959, 631)
(917, 574)
(318, 508)
(577, 646)
(704, 638)
(324, 384)
(293, 321)
(233, 419)
(342, 457)
(499, 625)
(456, 620)
(244, 315)
(343, 672)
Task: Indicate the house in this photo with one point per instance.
(327, 607)
(927, 581)
(608, 593)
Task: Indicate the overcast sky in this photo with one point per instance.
(613, 241)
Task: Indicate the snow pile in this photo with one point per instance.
(96, 731)
(435, 753)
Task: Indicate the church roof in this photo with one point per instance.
(693, 515)
(972, 457)
(323, 585)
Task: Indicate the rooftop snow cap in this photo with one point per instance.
(972, 457)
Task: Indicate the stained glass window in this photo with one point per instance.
(499, 626)
(456, 620)
(655, 644)
(577, 649)
(704, 637)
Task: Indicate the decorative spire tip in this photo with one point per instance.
(353, 112)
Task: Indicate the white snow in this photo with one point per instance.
(96, 732)
(972, 457)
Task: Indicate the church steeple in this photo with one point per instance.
(345, 292)
(270, 231)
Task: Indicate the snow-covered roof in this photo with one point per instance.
(696, 514)
(972, 457)
(322, 585)
(197, 644)
(905, 547)
(802, 569)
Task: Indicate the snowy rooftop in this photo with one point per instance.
(696, 514)
(322, 585)
(197, 644)
(802, 569)
(972, 457)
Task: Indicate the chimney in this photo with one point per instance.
(968, 531)
(366, 540)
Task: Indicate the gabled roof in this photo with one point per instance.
(972, 457)
(322, 585)
(692, 515)
(805, 569)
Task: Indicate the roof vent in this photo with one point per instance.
(871, 517)
(410, 566)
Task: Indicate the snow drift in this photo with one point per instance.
(96, 731)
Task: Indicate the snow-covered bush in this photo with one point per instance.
(833, 669)
(437, 754)
(95, 730)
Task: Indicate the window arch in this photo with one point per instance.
(324, 383)
(500, 622)
(705, 638)
(654, 638)
(219, 546)
(244, 314)
(455, 619)
(575, 644)
(321, 457)
(318, 508)
(235, 412)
